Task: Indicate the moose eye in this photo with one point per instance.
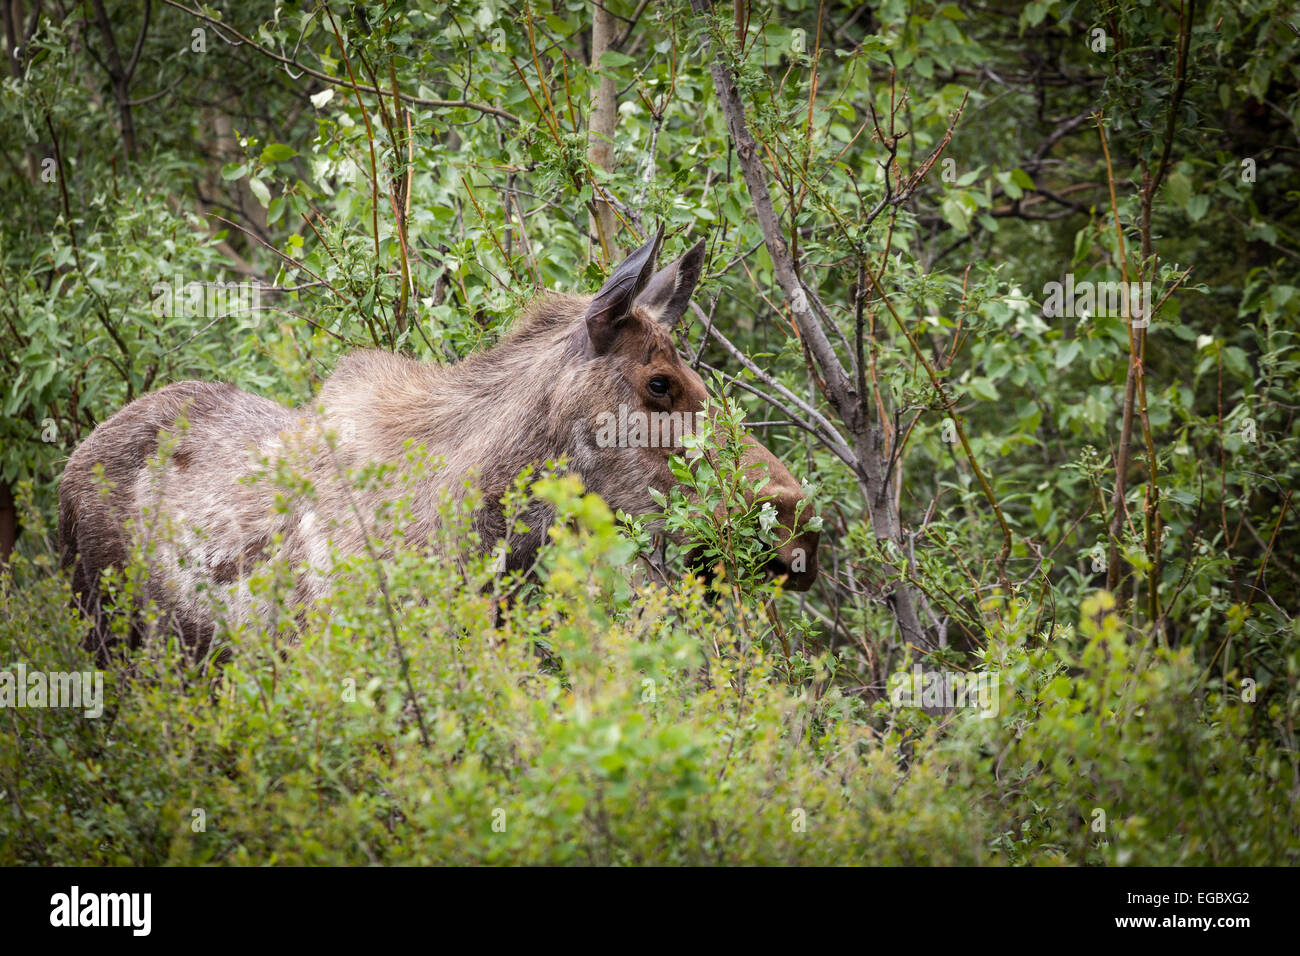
(658, 386)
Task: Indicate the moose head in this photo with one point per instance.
(644, 398)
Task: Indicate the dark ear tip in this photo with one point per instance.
(649, 249)
(693, 259)
(658, 242)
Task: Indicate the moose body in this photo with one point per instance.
(195, 457)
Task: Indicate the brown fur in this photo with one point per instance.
(207, 521)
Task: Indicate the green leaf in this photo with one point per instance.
(1179, 188)
(278, 153)
(1068, 353)
(983, 388)
(1022, 178)
(956, 215)
(260, 190)
(612, 59)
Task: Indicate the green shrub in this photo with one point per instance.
(597, 725)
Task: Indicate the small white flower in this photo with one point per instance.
(1016, 300)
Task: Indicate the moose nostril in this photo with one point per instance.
(777, 567)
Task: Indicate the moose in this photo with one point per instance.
(186, 455)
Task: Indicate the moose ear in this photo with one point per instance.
(666, 297)
(613, 302)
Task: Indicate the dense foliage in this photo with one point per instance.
(1090, 514)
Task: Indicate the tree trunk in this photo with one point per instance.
(600, 132)
(882, 510)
